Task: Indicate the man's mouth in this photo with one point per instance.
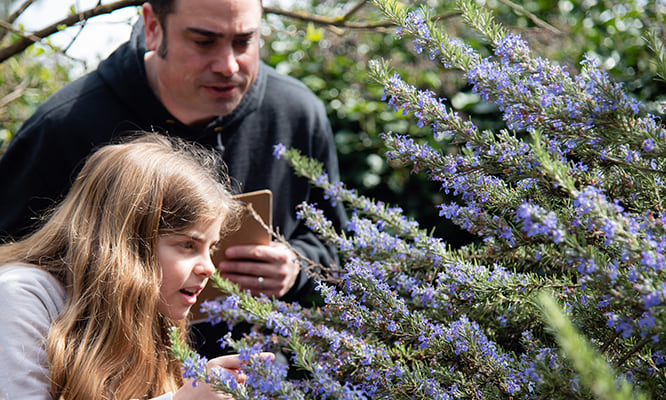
(221, 90)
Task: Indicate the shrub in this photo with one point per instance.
(563, 295)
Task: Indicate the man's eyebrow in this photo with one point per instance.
(205, 32)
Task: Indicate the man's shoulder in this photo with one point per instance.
(89, 105)
(79, 95)
(278, 82)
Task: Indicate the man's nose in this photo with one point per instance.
(225, 62)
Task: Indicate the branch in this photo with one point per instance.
(340, 22)
(337, 24)
(635, 349)
(6, 26)
(537, 21)
(15, 94)
(14, 16)
(71, 20)
(28, 39)
(25, 41)
(355, 9)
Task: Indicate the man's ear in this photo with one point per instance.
(152, 27)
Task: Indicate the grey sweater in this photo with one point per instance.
(32, 299)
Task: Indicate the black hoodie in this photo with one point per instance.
(116, 100)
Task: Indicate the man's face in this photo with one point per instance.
(212, 56)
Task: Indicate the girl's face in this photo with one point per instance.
(186, 266)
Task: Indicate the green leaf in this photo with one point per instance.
(313, 34)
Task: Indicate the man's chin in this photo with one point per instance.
(222, 107)
(202, 113)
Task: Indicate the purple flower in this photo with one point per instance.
(278, 150)
(194, 367)
(648, 145)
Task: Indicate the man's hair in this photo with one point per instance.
(162, 8)
(101, 243)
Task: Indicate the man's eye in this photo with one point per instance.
(242, 42)
(203, 43)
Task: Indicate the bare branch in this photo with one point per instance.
(20, 11)
(336, 24)
(355, 9)
(20, 45)
(14, 16)
(537, 21)
(341, 22)
(15, 94)
(322, 20)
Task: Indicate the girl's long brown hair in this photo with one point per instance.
(110, 341)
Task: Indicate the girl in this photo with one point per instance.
(89, 298)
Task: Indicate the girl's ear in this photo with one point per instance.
(152, 27)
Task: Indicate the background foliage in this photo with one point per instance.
(563, 294)
(333, 61)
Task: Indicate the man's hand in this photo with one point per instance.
(271, 270)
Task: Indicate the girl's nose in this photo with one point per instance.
(206, 266)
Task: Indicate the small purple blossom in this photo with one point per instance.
(278, 150)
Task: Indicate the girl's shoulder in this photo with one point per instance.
(26, 283)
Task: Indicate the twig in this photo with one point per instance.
(609, 342)
(637, 347)
(537, 21)
(355, 9)
(25, 41)
(6, 26)
(15, 94)
(329, 21)
(313, 268)
(14, 16)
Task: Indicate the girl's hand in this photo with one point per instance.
(204, 391)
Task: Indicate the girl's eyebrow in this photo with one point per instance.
(188, 235)
(197, 237)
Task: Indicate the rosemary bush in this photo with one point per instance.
(563, 295)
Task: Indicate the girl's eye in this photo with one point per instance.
(187, 245)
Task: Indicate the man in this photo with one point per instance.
(194, 72)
